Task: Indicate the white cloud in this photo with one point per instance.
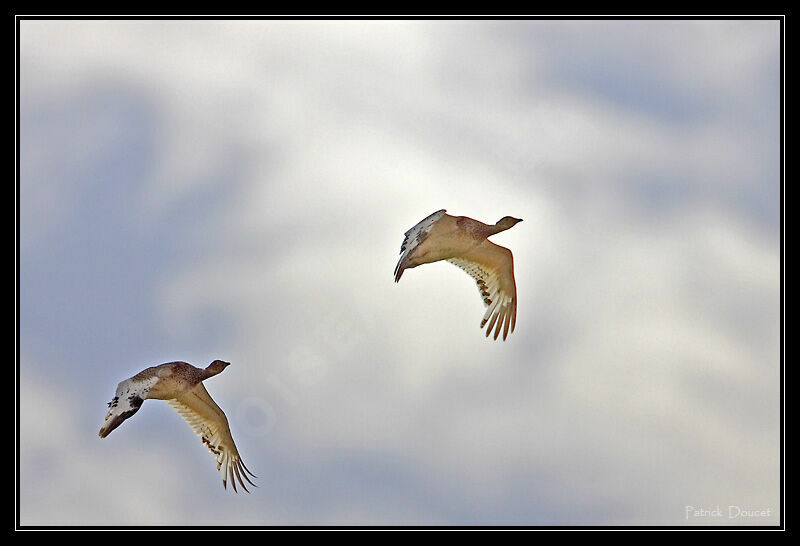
(640, 377)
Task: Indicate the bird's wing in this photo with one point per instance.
(208, 421)
(128, 398)
(492, 267)
(413, 237)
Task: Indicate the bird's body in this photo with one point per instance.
(181, 386)
(464, 242)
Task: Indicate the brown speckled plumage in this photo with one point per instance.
(181, 385)
(463, 241)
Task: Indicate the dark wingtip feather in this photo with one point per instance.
(238, 475)
(233, 479)
(247, 470)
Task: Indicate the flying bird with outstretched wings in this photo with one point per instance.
(181, 386)
(463, 241)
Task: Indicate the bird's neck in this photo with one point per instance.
(208, 372)
(492, 229)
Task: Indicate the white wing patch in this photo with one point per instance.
(413, 237)
(501, 306)
(208, 421)
(128, 398)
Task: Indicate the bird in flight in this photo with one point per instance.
(181, 386)
(464, 242)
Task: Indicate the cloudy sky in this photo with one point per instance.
(193, 190)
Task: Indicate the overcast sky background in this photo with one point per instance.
(239, 190)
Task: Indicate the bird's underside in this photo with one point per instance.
(180, 385)
(463, 242)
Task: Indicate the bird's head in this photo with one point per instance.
(508, 222)
(217, 366)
